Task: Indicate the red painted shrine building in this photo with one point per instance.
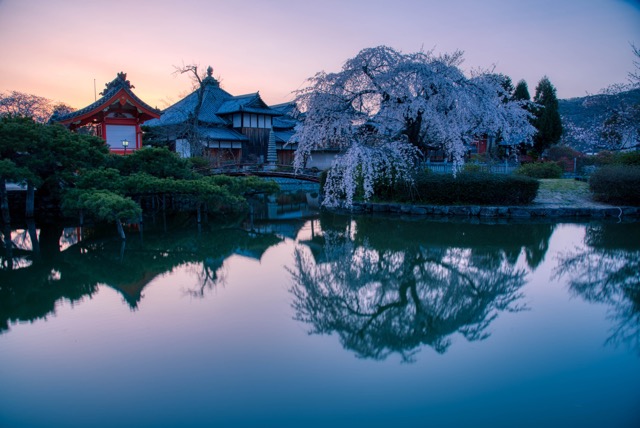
(116, 117)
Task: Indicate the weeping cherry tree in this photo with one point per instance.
(385, 109)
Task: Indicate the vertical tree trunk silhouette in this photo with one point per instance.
(30, 204)
(4, 202)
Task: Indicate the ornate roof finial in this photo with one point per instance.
(210, 80)
(119, 82)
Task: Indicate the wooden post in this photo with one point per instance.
(8, 246)
(120, 229)
(4, 202)
(33, 236)
(29, 209)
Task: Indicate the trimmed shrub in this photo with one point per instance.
(627, 158)
(559, 152)
(470, 188)
(472, 168)
(540, 170)
(616, 184)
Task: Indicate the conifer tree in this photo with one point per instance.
(547, 118)
(521, 93)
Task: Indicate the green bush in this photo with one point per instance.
(616, 184)
(627, 158)
(472, 167)
(540, 170)
(559, 152)
(469, 188)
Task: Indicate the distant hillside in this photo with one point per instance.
(590, 111)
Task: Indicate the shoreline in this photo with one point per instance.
(506, 212)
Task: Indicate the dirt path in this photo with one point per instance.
(565, 192)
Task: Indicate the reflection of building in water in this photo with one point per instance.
(297, 199)
(67, 265)
(285, 229)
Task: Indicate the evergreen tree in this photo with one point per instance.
(521, 93)
(547, 118)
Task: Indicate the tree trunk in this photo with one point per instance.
(31, 197)
(33, 236)
(120, 229)
(123, 245)
(8, 247)
(4, 202)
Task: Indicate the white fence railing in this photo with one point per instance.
(447, 168)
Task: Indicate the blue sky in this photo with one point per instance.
(57, 48)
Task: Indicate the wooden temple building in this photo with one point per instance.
(116, 116)
(226, 128)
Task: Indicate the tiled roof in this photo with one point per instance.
(221, 134)
(112, 88)
(283, 136)
(284, 108)
(284, 122)
(250, 103)
(212, 98)
(215, 103)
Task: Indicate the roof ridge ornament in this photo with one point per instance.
(119, 81)
(210, 80)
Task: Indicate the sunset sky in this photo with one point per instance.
(56, 49)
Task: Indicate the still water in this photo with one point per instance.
(327, 321)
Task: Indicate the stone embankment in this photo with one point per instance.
(520, 212)
(559, 198)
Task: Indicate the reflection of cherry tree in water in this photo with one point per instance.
(383, 299)
(607, 270)
(211, 273)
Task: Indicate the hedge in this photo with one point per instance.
(469, 188)
(616, 184)
(540, 170)
(627, 158)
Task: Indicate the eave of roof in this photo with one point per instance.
(110, 97)
(283, 136)
(248, 103)
(221, 134)
(212, 98)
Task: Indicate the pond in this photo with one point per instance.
(323, 320)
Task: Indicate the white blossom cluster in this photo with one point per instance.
(385, 107)
(616, 128)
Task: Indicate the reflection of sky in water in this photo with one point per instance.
(235, 358)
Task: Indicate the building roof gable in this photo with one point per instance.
(119, 90)
(249, 103)
(215, 105)
(213, 96)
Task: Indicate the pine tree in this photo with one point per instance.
(547, 118)
(521, 93)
